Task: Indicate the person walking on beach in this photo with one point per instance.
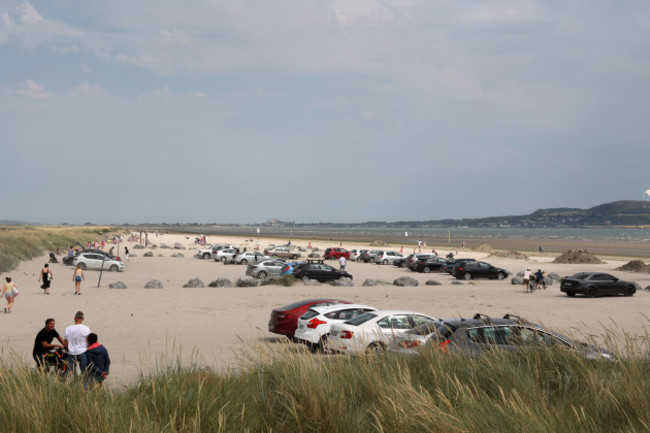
(74, 340)
(527, 280)
(47, 277)
(126, 253)
(541, 250)
(539, 280)
(342, 263)
(9, 291)
(97, 359)
(43, 342)
(78, 277)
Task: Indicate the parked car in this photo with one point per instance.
(317, 270)
(415, 258)
(470, 270)
(206, 253)
(289, 267)
(400, 262)
(97, 261)
(387, 257)
(355, 254)
(451, 265)
(250, 257)
(69, 260)
(369, 256)
(430, 264)
(224, 255)
(480, 334)
(267, 268)
(336, 253)
(314, 326)
(282, 252)
(284, 320)
(592, 284)
(371, 331)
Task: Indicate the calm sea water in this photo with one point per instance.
(595, 234)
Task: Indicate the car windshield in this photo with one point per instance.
(363, 318)
(580, 276)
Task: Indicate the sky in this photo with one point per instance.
(220, 111)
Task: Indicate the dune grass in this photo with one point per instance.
(535, 391)
(18, 243)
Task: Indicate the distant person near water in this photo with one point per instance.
(78, 277)
(47, 277)
(541, 250)
(9, 291)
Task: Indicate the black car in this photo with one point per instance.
(430, 264)
(318, 271)
(481, 333)
(592, 284)
(469, 270)
(401, 262)
(451, 265)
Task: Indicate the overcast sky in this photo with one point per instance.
(320, 110)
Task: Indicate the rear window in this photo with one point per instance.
(309, 314)
(363, 318)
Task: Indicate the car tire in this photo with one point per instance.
(375, 348)
(320, 346)
(629, 291)
(82, 265)
(206, 256)
(500, 276)
(591, 292)
(223, 259)
(244, 262)
(570, 294)
(402, 265)
(467, 276)
(113, 268)
(385, 262)
(426, 269)
(261, 274)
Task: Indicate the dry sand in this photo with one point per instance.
(141, 326)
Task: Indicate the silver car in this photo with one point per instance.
(224, 255)
(250, 257)
(268, 268)
(387, 257)
(97, 261)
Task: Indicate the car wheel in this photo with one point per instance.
(320, 346)
(629, 291)
(467, 276)
(113, 268)
(244, 262)
(591, 292)
(294, 257)
(385, 262)
(570, 294)
(261, 274)
(372, 260)
(402, 265)
(82, 266)
(426, 269)
(206, 255)
(358, 259)
(500, 276)
(375, 349)
(223, 259)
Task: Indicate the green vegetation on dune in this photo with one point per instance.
(18, 243)
(536, 391)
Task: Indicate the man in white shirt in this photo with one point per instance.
(342, 262)
(74, 339)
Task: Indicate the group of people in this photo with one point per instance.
(82, 346)
(537, 278)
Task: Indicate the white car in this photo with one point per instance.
(314, 326)
(207, 252)
(355, 254)
(386, 257)
(372, 331)
(224, 255)
(95, 261)
(250, 257)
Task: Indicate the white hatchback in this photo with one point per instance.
(372, 331)
(95, 261)
(314, 326)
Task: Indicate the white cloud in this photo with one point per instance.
(67, 49)
(143, 60)
(32, 89)
(85, 68)
(174, 37)
(29, 14)
(88, 90)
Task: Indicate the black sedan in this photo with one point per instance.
(469, 270)
(431, 264)
(319, 271)
(592, 284)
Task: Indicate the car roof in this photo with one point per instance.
(389, 312)
(329, 308)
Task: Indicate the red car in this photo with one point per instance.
(336, 253)
(284, 320)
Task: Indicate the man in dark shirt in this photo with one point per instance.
(43, 342)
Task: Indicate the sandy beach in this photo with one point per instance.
(143, 326)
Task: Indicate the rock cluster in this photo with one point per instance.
(153, 284)
(117, 285)
(405, 282)
(194, 282)
(220, 282)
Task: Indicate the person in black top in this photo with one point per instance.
(43, 342)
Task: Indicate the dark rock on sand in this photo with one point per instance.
(194, 282)
(148, 254)
(246, 282)
(117, 285)
(433, 283)
(220, 282)
(370, 283)
(153, 284)
(343, 282)
(405, 282)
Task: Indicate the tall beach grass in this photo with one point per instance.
(18, 243)
(290, 391)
